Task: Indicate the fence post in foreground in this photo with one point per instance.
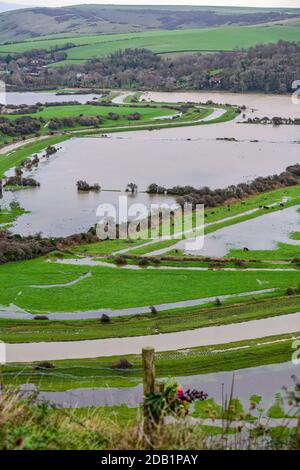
(149, 370)
(148, 355)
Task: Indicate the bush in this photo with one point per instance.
(122, 364)
(105, 318)
(120, 261)
(44, 365)
(240, 263)
(144, 262)
(290, 291)
(40, 317)
(153, 309)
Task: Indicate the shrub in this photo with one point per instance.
(143, 262)
(44, 365)
(153, 309)
(122, 364)
(105, 318)
(120, 261)
(290, 291)
(240, 263)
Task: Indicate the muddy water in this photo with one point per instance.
(56, 208)
(176, 156)
(265, 381)
(261, 104)
(44, 97)
(272, 228)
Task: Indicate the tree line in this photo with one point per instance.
(216, 197)
(269, 68)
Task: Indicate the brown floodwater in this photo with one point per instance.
(31, 98)
(175, 156)
(261, 104)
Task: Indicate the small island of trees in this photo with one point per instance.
(83, 186)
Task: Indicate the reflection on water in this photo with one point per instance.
(176, 156)
(57, 209)
(262, 233)
(261, 104)
(264, 381)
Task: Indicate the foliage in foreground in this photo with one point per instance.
(27, 425)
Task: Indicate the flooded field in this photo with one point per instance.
(196, 156)
(265, 381)
(30, 98)
(258, 104)
(262, 233)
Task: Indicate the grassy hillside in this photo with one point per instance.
(99, 19)
(162, 42)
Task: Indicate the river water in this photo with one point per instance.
(258, 104)
(31, 98)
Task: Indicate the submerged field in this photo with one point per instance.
(117, 288)
(58, 299)
(100, 372)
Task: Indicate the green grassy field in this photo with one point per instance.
(156, 117)
(72, 111)
(70, 374)
(119, 288)
(283, 251)
(206, 39)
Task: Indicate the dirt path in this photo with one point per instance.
(11, 147)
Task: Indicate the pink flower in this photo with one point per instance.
(180, 393)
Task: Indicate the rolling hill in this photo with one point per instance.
(225, 38)
(21, 24)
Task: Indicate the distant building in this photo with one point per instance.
(215, 80)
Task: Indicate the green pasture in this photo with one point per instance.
(119, 288)
(206, 39)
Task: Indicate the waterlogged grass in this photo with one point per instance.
(133, 97)
(216, 217)
(12, 331)
(106, 247)
(9, 214)
(70, 374)
(284, 251)
(120, 288)
(15, 157)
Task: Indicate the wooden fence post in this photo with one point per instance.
(148, 355)
(298, 435)
(149, 370)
